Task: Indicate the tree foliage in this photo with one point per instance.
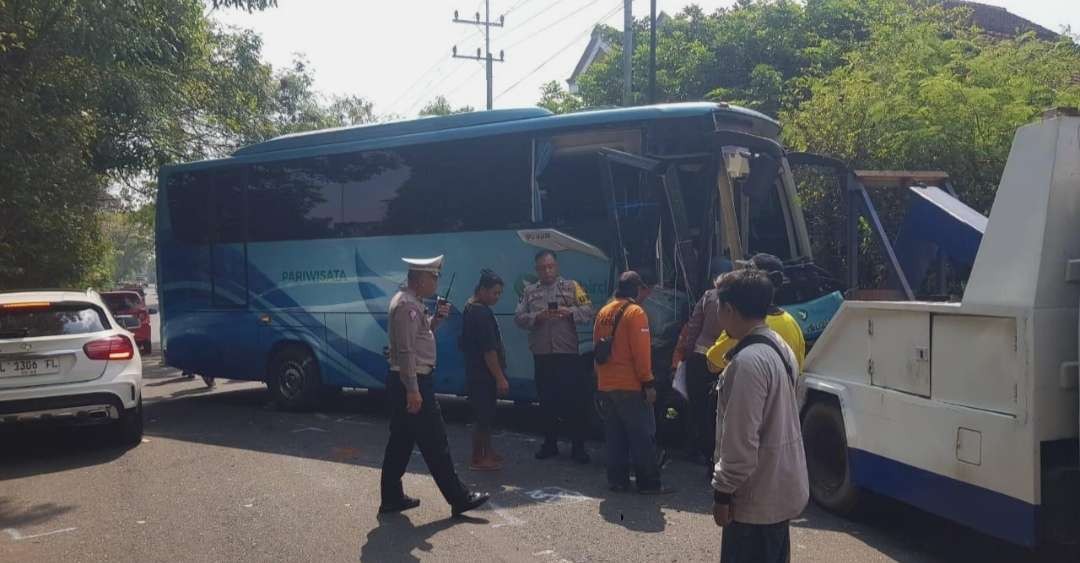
(440, 106)
(888, 84)
(96, 96)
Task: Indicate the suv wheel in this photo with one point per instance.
(129, 429)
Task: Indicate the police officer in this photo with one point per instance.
(415, 417)
(550, 309)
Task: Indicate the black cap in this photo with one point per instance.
(629, 284)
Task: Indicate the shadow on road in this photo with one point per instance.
(395, 538)
(11, 517)
(352, 429)
(629, 511)
(32, 450)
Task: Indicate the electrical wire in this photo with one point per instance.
(560, 51)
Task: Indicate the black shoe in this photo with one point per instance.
(661, 490)
(580, 456)
(547, 450)
(405, 503)
(618, 488)
(472, 500)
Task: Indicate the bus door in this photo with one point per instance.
(648, 212)
(649, 215)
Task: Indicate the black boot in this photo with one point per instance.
(405, 503)
(579, 454)
(472, 500)
(549, 449)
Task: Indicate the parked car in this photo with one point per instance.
(132, 286)
(64, 358)
(128, 304)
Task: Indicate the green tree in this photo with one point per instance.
(556, 99)
(96, 96)
(925, 95)
(130, 235)
(440, 106)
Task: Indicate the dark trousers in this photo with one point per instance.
(702, 402)
(564, 393)
(630, 436)
(756, 543)
(424, 429)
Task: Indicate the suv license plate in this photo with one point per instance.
(35, 366)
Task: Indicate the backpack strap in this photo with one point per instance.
(750, 340)
(618, 317)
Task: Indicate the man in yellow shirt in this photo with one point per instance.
(778, 320)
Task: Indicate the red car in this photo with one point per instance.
(128, 307)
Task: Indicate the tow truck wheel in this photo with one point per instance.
(827, 460)
(294, 379)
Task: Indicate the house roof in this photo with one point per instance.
(998, 21)
(592, 50)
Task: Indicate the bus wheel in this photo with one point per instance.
(827, 460)
(294, 379)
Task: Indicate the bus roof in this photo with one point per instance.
(517, 120)
(480, 124)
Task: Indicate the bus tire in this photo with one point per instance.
(294, 379)
(827, 461)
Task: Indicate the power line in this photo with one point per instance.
(516, 6)
(561, 50)
(523, 24)
(404, 95)
(552, 24)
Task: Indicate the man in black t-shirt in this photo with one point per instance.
(485, 364)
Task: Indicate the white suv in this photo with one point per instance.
(64, 358)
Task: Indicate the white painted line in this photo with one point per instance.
(508, 519)
(15, 535)
(350, 420)
(310, 429)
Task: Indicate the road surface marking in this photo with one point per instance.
(310, 429)
(508, 519)
(17, 536)
(557, 495)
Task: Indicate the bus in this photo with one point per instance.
(277, 263)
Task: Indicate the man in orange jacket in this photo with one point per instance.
(626, 388)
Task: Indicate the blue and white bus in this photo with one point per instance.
(276, 263)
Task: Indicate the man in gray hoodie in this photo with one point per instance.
(759, 481)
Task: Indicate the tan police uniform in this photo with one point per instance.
(559, 372)
(412, 367)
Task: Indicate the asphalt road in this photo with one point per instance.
(222, 475)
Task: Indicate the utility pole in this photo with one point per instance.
(486, 57)
(652, 51)
(628, 50)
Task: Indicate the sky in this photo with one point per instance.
(396, 53)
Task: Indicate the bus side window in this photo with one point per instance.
(188, 253)
(370, 181)
(468, 185)
(293, 200)
(189, 207)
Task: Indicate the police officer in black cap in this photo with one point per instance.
(415, 416)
